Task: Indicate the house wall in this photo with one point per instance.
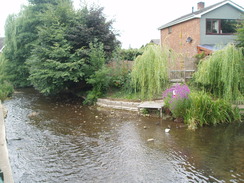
(225, 12)
(177, 38)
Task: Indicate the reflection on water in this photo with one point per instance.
(53, 141)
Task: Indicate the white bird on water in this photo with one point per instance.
(167, 130)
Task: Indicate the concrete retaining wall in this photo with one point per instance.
(130, 106)
(4, 160)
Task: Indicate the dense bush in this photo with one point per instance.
(99, 73)
(198, 108)
(6, 89)
(206, 111)
(130, 54)
(177, 100)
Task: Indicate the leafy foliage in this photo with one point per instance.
(6, 89)
(176, 99)
(91, 24)
(204, 110)
(47, 45)
(53, 68)
(223, 73)
(149, 73)
(130, 54)
(98, 76)
(120, 71)
(16, 51)
(198, 108)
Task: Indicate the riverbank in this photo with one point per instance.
(131, 105)
(68, 142)
(4, 159)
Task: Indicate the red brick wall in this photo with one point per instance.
(177, 38)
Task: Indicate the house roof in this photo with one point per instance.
(155, 41)
(1, 43)
(199, 13)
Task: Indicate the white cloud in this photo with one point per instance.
(136, 20)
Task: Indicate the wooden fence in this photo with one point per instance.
(177, 76)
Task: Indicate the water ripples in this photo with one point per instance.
(68, 143)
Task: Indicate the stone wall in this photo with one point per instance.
(4, 160)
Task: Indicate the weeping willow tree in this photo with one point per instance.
(150, 72)
(223, 73)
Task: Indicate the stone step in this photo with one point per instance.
(118, 103)
(121, 107)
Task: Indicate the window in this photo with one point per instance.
(228, 26)
(221, 26)
(169, 30)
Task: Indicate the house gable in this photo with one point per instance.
(218, 5)
(200, 13)
(226, 11)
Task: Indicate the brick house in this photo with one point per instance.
(202, 30)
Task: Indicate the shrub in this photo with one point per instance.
(99, 77)
(198, 108)
(176, 99)
(204, 110)
(130, 54)
(100, 82)
(6, 89)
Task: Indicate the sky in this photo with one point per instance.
(137, 21)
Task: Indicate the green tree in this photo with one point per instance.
(222, 73)
(21, 34)
(97, 73)
(89, 25)
(53, 69)
(48, 45)
(149, 73)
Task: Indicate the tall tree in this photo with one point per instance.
(53, 68)
(20, 36)
(48, 44)
(89, 25)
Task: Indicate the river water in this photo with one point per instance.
(53, 141)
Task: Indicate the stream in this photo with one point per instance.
(59, 140)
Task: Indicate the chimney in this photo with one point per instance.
(200, 5)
